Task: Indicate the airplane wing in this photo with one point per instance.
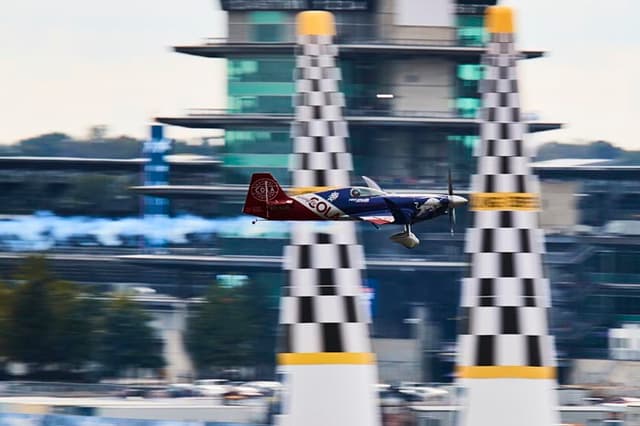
(382, 217)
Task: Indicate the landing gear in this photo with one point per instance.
(406, 237)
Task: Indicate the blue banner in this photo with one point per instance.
(9, 419)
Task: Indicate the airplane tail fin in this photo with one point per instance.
(264, 190)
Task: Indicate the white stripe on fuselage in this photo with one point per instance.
(321, 207)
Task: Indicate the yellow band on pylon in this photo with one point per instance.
(518, 201)
(505, 372)
(316, 22)
(499, 19)
(319, 358)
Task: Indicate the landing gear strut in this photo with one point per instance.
(406, 237)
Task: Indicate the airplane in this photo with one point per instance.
(266, 199)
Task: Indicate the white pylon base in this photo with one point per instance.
(333, 385)
(522, 402)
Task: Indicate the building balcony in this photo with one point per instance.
(275, 262)
(382, 49)
(447, 121)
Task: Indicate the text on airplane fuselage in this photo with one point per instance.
(322, 208)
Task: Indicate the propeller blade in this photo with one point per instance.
(452, 211)
(452, 220)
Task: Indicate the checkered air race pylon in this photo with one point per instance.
(506, 358)
(325, 352)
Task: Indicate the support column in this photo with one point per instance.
(506, 357)
(325, 351)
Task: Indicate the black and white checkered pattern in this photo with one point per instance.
(506, 297)
(321, 307)
(320, 153)
(503, 164)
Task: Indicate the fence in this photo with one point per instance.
(65, 420)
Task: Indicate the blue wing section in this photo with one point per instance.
(400, 215)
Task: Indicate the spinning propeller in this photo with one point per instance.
(452, 211)
(454, 201)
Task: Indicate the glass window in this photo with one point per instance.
(260, 85)
(256, 160)
(267, 26)
(471, 30)
(468, 107)
(261, 70)
(470, 72)
(361, 191)
(468, 98)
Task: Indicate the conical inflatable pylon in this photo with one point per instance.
(325, 353)
(506, 358)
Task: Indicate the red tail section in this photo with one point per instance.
(263, 194)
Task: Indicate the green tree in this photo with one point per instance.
(49, 144)
(262, 298)
(49, 322)
(76, 319)
(31, 315)
(6, 302)
(128, 342)
(220, 331)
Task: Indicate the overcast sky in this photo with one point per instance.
(68, 64)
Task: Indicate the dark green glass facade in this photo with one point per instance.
(264, 84)
(258, 85)
(471, 32)
(268, 26)
(468, 101)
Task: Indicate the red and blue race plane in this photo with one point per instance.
(268, 200)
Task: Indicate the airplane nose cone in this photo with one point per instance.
(458, 201)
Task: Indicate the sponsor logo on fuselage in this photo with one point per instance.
(359, 200)
(320, 206)
(429, 206)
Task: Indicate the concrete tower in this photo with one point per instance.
(326, 358)
(506, 358)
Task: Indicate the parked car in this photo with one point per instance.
(212, 387)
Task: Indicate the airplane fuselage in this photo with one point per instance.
(268, 200)
(352, 203)
(355, 202)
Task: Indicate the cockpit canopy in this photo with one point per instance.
(362, 191)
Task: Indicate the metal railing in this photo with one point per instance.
(353, 112)
(375, 29)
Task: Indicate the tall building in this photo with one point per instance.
(410, 76)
